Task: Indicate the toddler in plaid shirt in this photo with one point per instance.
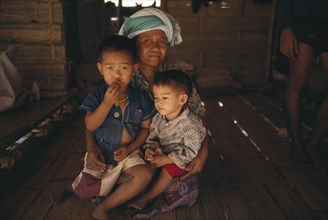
(175, 135)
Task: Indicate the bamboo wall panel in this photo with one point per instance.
(250, 25)
(35, 28)
(232, 35)
(231, 8)
(31, 11)
(256, 10)
(45, 75)
(31, 33)
(33, 54)
(182, 8)
(46, 82)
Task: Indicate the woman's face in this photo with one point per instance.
(152, 48)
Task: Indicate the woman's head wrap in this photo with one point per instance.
(152, 19)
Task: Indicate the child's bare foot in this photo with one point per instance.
(60, 193)
(140, 204)
(101, 213)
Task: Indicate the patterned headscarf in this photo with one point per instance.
(152, 19)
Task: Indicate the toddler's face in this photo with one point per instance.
(117, 66)
(168, 101)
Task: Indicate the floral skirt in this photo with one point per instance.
(180, 193)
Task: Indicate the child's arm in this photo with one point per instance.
(124, 151)
(152, 142)
(94, 119)
(188, 149)
(160, 159)
(95, 157)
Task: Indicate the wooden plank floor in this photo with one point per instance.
(16, 123)
(248, 173)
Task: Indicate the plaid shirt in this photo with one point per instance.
(180, 138)
(195, 103)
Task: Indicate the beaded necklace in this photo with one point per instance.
(117, 103)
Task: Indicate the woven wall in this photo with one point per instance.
(234, 36)
(36, 28)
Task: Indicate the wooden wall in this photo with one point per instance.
(235, 38)
(36, 28)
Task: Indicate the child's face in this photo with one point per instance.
(117, 66)
(168, 101)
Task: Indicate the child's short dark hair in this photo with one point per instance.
(117, 43)
(175, 79)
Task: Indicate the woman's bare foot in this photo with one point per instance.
(60, 193)
(101, 213)
(299, 155)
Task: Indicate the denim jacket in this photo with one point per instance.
(108, 136)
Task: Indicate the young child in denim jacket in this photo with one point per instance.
(120, 116)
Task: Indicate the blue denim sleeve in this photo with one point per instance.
(92, 100)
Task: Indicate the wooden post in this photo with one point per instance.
(270, 46)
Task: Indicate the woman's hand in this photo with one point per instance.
(288, 43)
(194, 167)
(95, 160)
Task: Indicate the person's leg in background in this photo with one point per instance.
(321, 123)
(296, 81)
